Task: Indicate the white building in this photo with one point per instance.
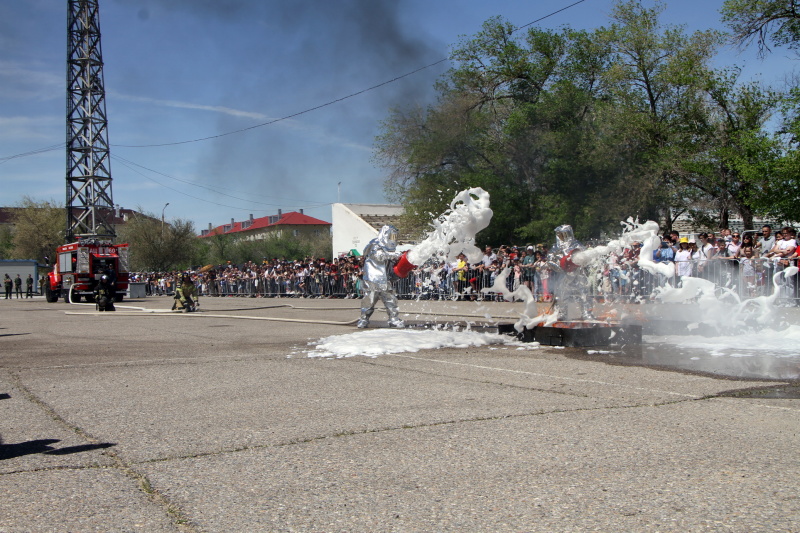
(354, 225)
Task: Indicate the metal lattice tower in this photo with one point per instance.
(89, 200)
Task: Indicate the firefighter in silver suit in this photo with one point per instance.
(572, 284)
(379, 256)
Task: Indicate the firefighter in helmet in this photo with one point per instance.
(186, 294)
(104, 294)
(379, 256)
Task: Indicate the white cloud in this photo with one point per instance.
(22, 83)
(317, 133)
(35, 128)
(188, 105)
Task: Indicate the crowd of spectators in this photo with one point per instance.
(735, 261)
(310, 277)
(740, 262)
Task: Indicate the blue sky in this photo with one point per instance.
(179, 70)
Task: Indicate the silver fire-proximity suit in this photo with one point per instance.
(379, 257)
(573, 282)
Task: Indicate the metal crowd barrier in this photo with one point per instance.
(283, 287)
(747, 279)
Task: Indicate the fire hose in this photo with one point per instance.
(406, 268)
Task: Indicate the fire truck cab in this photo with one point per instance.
(78, 268)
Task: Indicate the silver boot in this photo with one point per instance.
(363, 320)
(395, 322)
(393, 312)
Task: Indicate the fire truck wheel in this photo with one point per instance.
(50, 295)
(90, 298)
(73, 298)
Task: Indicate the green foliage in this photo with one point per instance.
(221, 249)
(38, 229)
(6, 242)
(588, 128)
(775, 22)
(159, 246)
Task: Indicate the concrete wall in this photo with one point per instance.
(23, 267)
(349, 230)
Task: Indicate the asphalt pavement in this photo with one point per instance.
(219, 421)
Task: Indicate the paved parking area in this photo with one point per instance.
(138, 421)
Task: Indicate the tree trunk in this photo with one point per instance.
(724, 217)
(747, 217)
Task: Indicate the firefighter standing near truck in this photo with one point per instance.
(186, 294)
(112, 280)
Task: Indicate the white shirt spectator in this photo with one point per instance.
(683, 262)
(488, 258)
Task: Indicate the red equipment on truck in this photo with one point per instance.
(80, 264)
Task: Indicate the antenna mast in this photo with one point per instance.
(89, 203)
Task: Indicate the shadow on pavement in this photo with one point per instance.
(9, 451)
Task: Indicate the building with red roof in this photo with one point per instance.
(291, 224)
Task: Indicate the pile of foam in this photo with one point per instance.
(777, 343)
(385, 341)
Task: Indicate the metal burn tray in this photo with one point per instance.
(578, 334)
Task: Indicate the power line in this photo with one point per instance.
(130, 166)
(287, 117)
(33, 152)
(549, 15)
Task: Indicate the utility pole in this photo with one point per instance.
(89, 200)
(162, 220)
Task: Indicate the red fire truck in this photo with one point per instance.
(80, 264)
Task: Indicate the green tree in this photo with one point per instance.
(560, 127)
(656, 81)
(742, 155)
(6, 241)
(767, 22)
(220, 249)
(460, 142)
(159, 246)
(38, 229)
(772, 171)
(773, 23)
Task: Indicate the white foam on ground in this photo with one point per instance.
(384, 341)
(783, 343)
